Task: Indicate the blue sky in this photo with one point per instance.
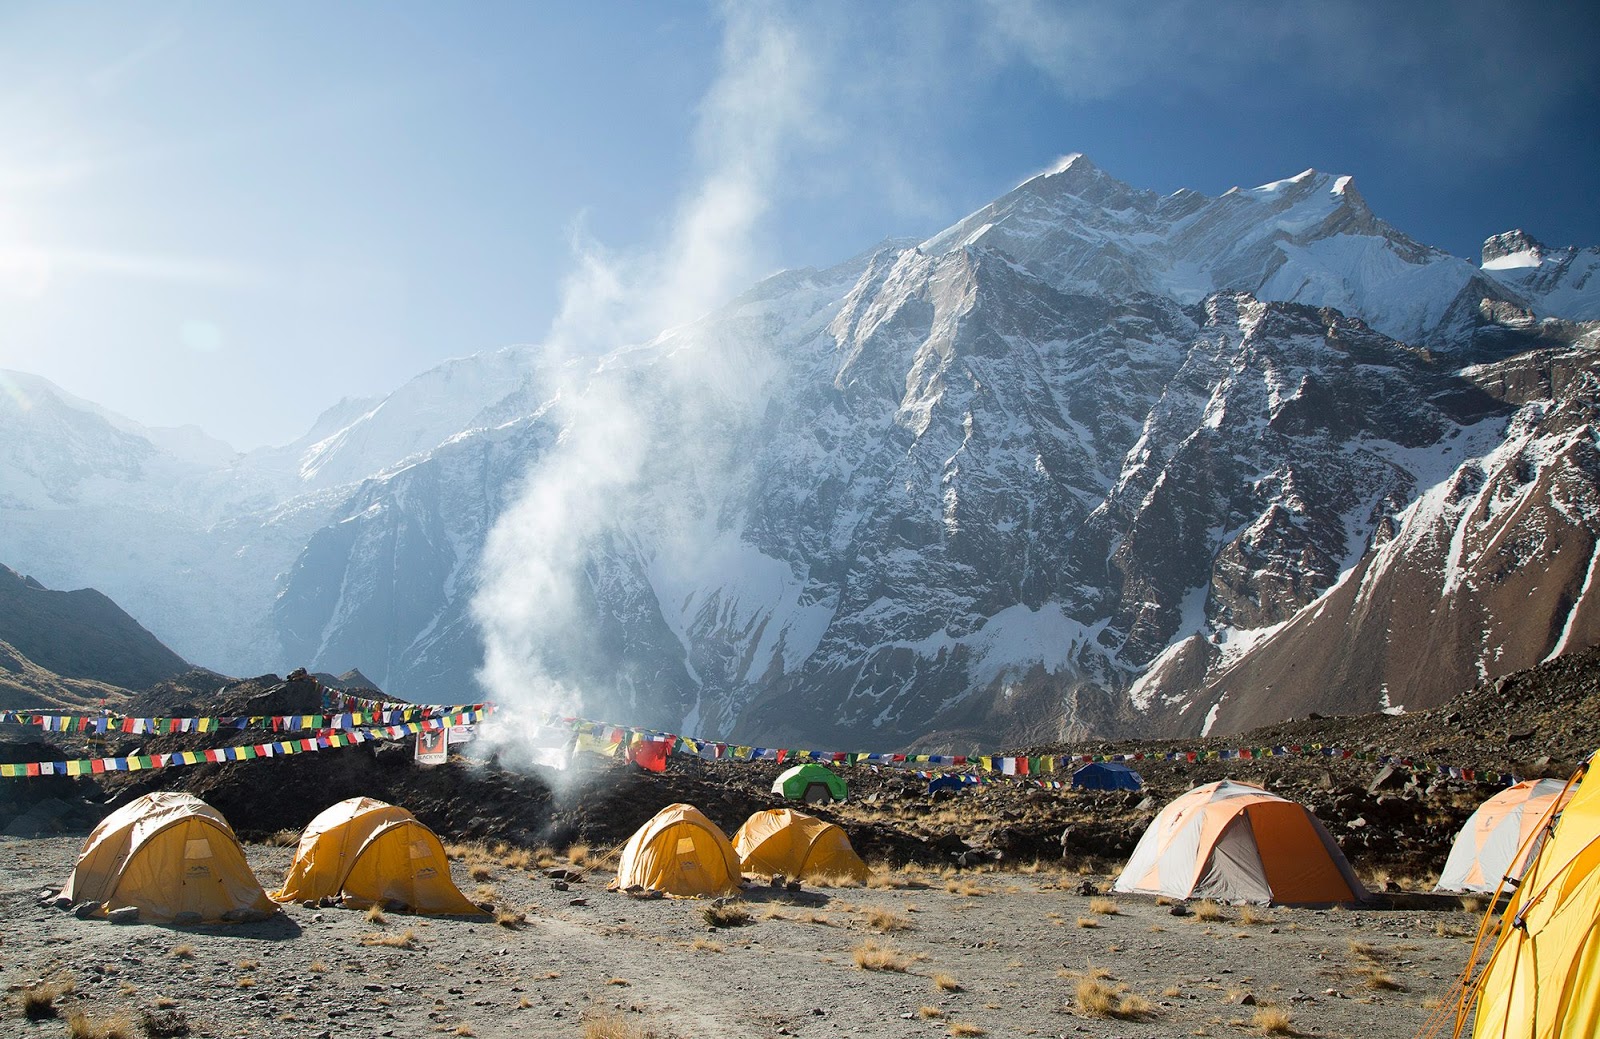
(233, 214)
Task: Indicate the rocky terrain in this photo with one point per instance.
(916, 953)
(1013, 948)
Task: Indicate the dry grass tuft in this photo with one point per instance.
(579, 854)
(406, 939)
(929, 1013)
(885, 921)
(1381, 980)
(38, 1002)
(1208, 911)
(183, 952)
(480, 872)
(706, 945)
(245, 981)
(960, 1028)
(510, 919)
(317, 967)
(870, 955)
(611, 1025)
(728, 914)
(464, 1030)
(283, 839)
(1100, 1000)
(82, 1026)
(619, 982)
(1475, 904)
(1104, 906)
(1095, 999)
(1088, 922)
(375, 916)
(485, 893)
(946, 982)
(1272, 1021)
(967, 888)
(1251, 915)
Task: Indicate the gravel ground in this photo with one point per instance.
(1015, 943)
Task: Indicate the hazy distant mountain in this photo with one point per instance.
(1093, 459)
(81, 635)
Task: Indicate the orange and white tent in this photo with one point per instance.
(797, 845)
(679, 852)
(367, 852)
(1502, 836)
(1542, 980)
(172, 856)
(1236, 842)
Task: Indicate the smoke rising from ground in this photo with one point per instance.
(632, 401)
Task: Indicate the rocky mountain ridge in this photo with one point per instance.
(1091, 460)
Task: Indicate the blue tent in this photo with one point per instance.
(1107, 775)
(946, 782)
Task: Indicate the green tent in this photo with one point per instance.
(810, 783)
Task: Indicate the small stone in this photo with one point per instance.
(1179, 910)
(125, 915)
(85, 910)
(1247, 1000)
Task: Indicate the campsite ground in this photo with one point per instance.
(998, 953)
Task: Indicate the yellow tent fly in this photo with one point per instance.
(679, 852)
(172, 856)
(1542, 980)
(797, 845)
(366, 852)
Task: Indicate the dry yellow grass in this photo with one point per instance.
(1097, 999)
(963, 1028)
(317, 967)
(1272, 1020)
(485, 893)
(929, 1013)
(1207, 911)
(1104, 906)
(38, 1001)
(117, 1026)
(183, 952)
(946, 982)
(245, 981)
(886, 920)
(870, 955)
(283, 839)
(619, 982)
(510, 919)
(607, 1024)
(1088, 922)
(1254, 916)
(967, 888)
(480, 872)
(706, 945)
(729, 914)
(406, 939)
(1381, 980)
(375, 915)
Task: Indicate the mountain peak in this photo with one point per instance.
(1514, 248)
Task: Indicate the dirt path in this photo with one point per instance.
(1016, 944)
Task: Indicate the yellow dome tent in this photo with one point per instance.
(797, 845)
(367, 852)
(1236, 842)
(172, 856)
(679, 852)
(1543, 979)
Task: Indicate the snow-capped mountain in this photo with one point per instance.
(1091, 460)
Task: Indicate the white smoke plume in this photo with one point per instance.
(592, 486)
